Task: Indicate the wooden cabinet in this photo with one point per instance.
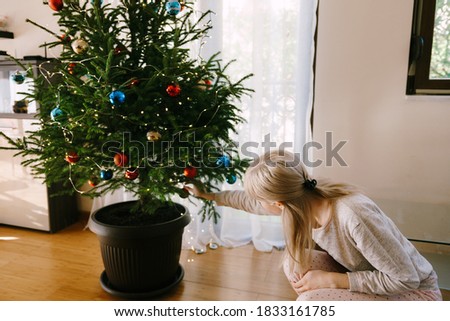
(25, 201)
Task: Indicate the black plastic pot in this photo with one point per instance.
(140, 261)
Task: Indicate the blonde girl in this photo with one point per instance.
(339, 244)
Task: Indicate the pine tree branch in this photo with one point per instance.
(43, 28)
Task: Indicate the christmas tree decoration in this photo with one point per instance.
(173, 7)
(86, 78)
(18, 78)
(190, 172)
(106, 174)
(153, 136)
(231, 179)
(56, 113)
(56, 5)
(119, 49)
(223, 161)
(93, 181)
(72, 157)
(117, 97)
(204, 84)
(132, 173)
(173, 90)
(71, 68)
(213, 246)
(65, 38)
(133, 82)
(120, 159)
(79, 46)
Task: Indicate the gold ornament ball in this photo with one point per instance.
(153, 136)
(79, 46)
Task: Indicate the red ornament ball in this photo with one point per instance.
(72, 157)
(56, 5)
(93, 181)
(133, 82)
(190, 172)
(120, 159)
(131, 173)
(173, 90)
(71, 68)
(65, 38)
(119, 49)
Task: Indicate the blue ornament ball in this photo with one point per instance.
(231, 179)
(106, 174)
(223, 161)
(173, 7)
(18, 78)
(117, 97)
(56, 113)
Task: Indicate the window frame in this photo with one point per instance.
(420, 52)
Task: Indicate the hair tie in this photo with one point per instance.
(310, 184)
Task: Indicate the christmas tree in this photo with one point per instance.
(126, 104)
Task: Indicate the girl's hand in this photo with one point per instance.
(318, 279)
(194, 190)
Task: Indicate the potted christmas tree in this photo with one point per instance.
(126, 105)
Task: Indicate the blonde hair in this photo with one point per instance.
(280, 176)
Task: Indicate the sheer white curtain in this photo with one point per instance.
(274, 40)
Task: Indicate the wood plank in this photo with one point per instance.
(67, 266)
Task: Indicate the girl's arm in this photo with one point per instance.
(318, 279)
(194, 190)
(235, 199)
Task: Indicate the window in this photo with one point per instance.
(429, 60)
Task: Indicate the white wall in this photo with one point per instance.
(27, 38)
(397, 147)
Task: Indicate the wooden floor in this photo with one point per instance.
(67, 265)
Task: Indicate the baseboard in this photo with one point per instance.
(439, 256)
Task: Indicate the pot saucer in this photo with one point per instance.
(107, 286)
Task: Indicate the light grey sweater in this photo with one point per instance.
(365, 241)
